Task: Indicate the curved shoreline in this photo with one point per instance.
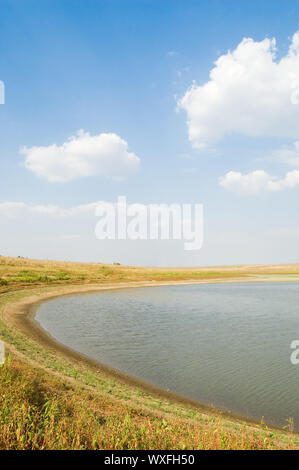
(21, 315)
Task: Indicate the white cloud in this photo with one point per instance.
(258, 180)
(81, 156)
(288, 155)
(16, 209)
(249, 93)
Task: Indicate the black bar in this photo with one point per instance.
(160, 458)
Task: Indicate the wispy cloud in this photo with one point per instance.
(186, 156)
(288, 155)
(16, 209)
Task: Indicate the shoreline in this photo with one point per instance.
(21, 315)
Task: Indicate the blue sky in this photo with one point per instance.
(121, 67)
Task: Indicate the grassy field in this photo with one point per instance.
(48, 401)
(23, 271)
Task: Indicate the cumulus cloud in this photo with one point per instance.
(257, 181)
(249, 92)
(81, 156)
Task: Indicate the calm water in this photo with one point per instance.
(226, 345)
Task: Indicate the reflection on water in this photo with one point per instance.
(226, 345)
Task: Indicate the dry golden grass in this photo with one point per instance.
(42, 412)
(23, 271)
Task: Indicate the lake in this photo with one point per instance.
(223, 344)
